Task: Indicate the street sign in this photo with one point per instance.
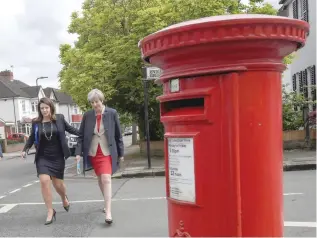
(151, 73)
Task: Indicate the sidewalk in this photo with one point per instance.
(137, 166)
(133, 166)
(15, 155)
(299, 160)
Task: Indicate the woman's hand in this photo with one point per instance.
(77, 159)
(121, 159)
(23, 155)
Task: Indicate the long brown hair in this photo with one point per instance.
(48, 102)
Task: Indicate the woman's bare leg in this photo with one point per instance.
(105, 186)
(45, 182)
(60, 188)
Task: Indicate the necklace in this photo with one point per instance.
(43, 126)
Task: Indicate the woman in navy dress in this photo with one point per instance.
(48, 136)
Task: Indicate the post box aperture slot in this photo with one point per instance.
(192, 106)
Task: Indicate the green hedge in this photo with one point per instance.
(13, 142)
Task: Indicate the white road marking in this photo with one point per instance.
(114, 200)
(91, 201)
(28, 185)
(300, 224)
(15, 190)
(7, 208)
(2, 197)
(290, 194)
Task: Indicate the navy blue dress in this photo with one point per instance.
(50, 158)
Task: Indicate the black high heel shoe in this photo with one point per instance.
(109, 221)
(53, 218)
(68, 206)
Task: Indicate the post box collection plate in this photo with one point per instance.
(181, 169)
(174, 85)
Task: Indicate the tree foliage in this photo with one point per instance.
(292, 113)
(125, 120)
(106, 55)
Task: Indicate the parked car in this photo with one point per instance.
(17, 137)
(72, 139)
(127, 131)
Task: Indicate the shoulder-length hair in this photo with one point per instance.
(48, 102)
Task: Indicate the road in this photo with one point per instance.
(25, 171)
(139, 205)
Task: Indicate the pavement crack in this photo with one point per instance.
(115, 193)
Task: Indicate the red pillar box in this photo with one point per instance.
(221, 109)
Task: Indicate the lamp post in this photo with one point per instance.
(37, 83)
(40, 78)
(149, 73)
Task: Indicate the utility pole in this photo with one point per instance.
(150, 74)
(37, 79)
(146, 120)
(134, 133)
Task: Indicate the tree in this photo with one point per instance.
(293, 104)
(106, 55)
(292, 115)
(125, 120)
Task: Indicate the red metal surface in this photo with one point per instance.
(234, 64)
(77, 118)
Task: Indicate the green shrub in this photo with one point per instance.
(14, 142)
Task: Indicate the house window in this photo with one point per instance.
(295, 9)
(23, 106)
(294, 83)
(313, 85)
(301, 88)
(300, 10)
(305, 83)
(34, 106)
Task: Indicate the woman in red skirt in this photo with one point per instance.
(100, 142)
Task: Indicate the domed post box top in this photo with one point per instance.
(213, 42)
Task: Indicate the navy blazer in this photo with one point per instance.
(112, 130)
(62, 127)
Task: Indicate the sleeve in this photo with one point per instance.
(70, 129)
(29, 143)
(80, 139)
(118, 136)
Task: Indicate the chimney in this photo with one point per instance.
(7, 75)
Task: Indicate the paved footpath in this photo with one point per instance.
(139, 209)
(137, 166)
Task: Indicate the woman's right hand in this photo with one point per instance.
(77, 158)
(23, 155)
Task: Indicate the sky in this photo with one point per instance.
(31, 33)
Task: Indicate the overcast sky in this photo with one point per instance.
(31, 32)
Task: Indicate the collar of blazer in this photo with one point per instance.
(103, 111)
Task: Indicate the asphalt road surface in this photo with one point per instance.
(14, 173)
(139, 207)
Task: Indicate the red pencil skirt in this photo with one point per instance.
(102, 164)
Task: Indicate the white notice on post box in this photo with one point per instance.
(181, 169)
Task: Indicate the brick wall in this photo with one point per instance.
(14, 148)
(296, 139)
(7, 75)
(291, 140)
